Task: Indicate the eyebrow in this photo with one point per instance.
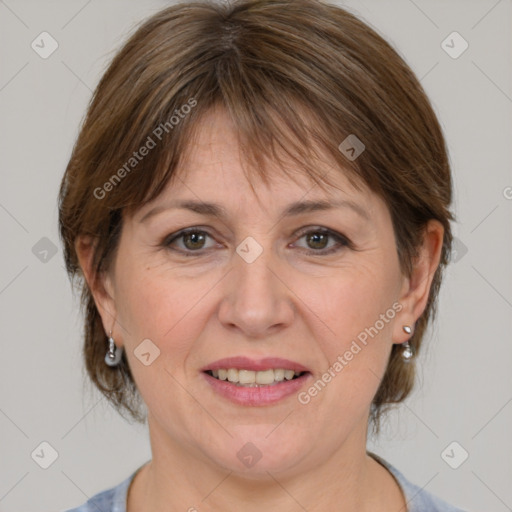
(294, 209)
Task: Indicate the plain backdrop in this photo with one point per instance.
(464, 391)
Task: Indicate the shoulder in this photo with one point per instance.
(417, 498)
(109, 500)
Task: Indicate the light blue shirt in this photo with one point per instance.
(418, 499)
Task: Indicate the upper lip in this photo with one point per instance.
(245, 363)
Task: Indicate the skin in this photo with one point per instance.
(287, 303)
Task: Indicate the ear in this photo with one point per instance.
(100, 285)
(416, 288)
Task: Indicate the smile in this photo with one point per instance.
(251, 378)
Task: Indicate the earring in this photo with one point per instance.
(407, 350)
(113, 356)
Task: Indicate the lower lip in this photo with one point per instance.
(257, 396)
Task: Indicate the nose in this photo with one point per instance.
(257, 300)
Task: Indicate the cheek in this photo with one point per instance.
(354, 317)
(154, 303)
(352, 300)
(160, 304)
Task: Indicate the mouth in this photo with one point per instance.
(252, 378)
(255, 383)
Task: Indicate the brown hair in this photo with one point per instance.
(295, 76)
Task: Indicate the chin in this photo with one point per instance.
(255, 450)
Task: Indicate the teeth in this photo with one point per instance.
(279, 375)
(288, 374)
(232, 375)
(251, 378)
(266, 377)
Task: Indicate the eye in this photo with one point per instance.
(318, 240)
(193, 240)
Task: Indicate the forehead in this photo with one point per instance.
(215, 178)
(214, 163)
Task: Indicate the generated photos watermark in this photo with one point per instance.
(304, 397)
(149, 144)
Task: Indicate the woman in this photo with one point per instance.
(259, 205)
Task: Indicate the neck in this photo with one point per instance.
(175, 480)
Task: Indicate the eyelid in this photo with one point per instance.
(341, 239)
(182, 232)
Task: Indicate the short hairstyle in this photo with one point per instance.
(296, 77)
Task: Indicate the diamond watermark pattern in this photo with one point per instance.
(352, 147)
(249, 250)
(459, 249)
(44, 455)
(249, 454)
(146, 352)
(454, 45)
(454, 455)
(44, 250)
(44, 45)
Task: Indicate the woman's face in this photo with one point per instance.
(256, 284)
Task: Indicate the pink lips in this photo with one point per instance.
(256, 396)
(244, 363)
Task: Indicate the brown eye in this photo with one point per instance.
(318, 240)
(192, 240)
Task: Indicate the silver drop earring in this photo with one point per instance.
(407, 350)
(114, 354)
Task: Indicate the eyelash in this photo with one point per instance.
(341, 240)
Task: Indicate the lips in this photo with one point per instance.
(252, 382)
(244, 363)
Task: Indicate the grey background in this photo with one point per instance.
(464, 390)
